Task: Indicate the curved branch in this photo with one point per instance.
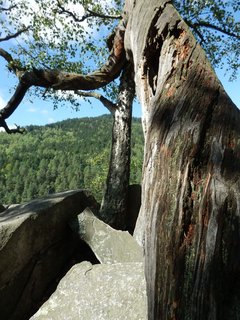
(14, 102)
(59, 80)
(212, 26)
(10, 131)
(7, 56)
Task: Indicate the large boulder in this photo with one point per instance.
(109, 245)
(98, 292)
(35, 243)
(114, 290)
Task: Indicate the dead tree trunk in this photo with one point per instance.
(190, 215)
(114, 203)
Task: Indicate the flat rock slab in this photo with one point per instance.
(98, 292)
(108, 244)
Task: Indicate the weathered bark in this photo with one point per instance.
(114, 203)
(190, 215)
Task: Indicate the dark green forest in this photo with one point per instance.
(72, 154)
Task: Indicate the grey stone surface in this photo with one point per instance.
(108, 244)
(98, 292)
(35, 243)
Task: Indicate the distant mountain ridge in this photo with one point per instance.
(70, 154)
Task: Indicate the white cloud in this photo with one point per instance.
(38, 110)
(32, 110)
(51, 120)
(44, 111)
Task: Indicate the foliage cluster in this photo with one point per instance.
(67, 155)
(67, 35)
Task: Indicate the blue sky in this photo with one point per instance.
(41, 112)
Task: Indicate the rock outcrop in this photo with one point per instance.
(35, 244)
(113, 290)
(38, 245)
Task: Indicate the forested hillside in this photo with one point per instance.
(66, 155)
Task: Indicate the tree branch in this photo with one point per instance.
(71, 14)
(9, 8)
(107, 103)
(7, 56)
(103, 16)
(59, 80)
(13, 65)
(10, 131)
(211, 26)
(14, 35)
(14, 102)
